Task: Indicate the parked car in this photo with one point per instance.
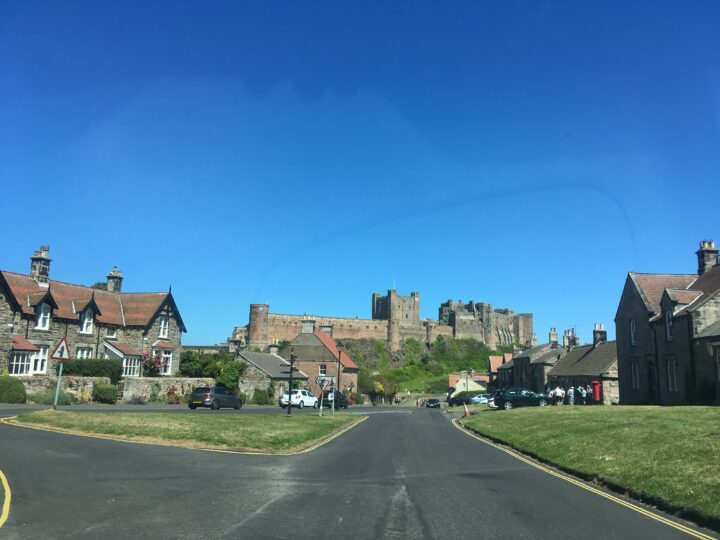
(509, 398)
(330, 394)
(432, 403)
(299, 399)
(479, 399)
(214, 397)
(461, 398)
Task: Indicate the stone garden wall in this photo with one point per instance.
(157, 387)
(82, 387)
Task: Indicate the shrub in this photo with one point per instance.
(261, 397)
(105, 393)
(92, 367)
(230, 374)
(12, 390)
(47, 397)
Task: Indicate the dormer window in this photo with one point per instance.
(111, 332)
(633, 332)
(668, 326)
(164, 324)
(86, 322)
(43, 317)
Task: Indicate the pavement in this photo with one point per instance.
(403, 473)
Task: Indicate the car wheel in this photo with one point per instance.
(542, 403)
(507, 405)
(301, 404)
(237, 405)
(193, 407)
(315, 405)
(215, 405)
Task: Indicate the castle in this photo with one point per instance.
(394, 319)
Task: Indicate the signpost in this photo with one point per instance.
(290, 372)
(60, 354)
(323, 383)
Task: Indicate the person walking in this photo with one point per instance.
(583, 395)
(571, 395)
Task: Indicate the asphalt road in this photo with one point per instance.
(404, 473)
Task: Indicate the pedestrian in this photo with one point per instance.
(561, 395)
(589, 394)
(571, 395)
(583, 395)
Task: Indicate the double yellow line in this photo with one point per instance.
(586, 487)
(5, 512)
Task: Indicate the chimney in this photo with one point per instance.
(553, 338)
(707, 256)
(307, 327)
(114, 280)
(599, 334)
(40, 265)
(570, 340)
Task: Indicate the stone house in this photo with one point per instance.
(265, 371)
(504, 375)
(587, 363)
(36, 312)
(532, 366)
(318, 354)
(668, 335)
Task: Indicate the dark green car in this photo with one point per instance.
(509, 398)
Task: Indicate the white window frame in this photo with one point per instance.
(111, 332)
(164, 323)
(322, 369)
(86, 322)
(42, 321)
(131, 366)
(633, 332)
(669, 326)
(40, 359)
(20, 363)
(166, 355)
(83, 353)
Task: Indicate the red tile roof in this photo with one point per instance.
(652, 286)
(496, 362)
(507, 356)
(455, 377)
(19, 343)
(329, 343)
(124, 348)
(118, 309)
(161, 344)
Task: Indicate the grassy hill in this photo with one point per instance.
(416, 367)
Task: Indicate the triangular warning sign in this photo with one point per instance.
(61, 352)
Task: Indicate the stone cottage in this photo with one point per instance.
(264, 371)
(532, 366)
(318, 354)
(587, 363)
(36, 312)
(668, 335)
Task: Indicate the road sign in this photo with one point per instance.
(324, 382)
(61, 352)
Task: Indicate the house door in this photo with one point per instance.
(652, 383)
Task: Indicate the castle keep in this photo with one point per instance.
(394, 319)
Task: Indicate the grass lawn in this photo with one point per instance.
(253, 432)
(669, 456)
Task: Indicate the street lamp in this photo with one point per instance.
(337, 381)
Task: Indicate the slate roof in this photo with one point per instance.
(549, 357)
(652, 286)
(588, 360)
(329, 343)
(506, 365)
(272, 364)
(711, 331)
(68, 300)
(532, 352)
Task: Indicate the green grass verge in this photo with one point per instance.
(669, 456)
(251, 432)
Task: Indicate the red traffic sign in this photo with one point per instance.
(61, 352)
(323, 382)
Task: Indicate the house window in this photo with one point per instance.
(131, 366)
(163, 326)
(111, 332)
(633, 332)
(43, 317)
(83, 352)
(167, 362)
(86, 322)
(635, 369)
(323, 369)
(668, 326)
(19, 363)
(39, 359)
(672, 375)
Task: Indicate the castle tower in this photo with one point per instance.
(394, 321)
(40, 265)
(707, 256)
(114, 280)
(258, 326)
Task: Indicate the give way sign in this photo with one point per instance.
(61, 352)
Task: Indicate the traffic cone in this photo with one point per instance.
(467, 412)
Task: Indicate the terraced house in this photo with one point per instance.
(668, 335)
(36, 312)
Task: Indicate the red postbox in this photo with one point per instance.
(597, 391)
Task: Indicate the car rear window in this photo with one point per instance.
(201, 390)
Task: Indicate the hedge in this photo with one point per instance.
(105, 393)
(94, 367)
(12, 390)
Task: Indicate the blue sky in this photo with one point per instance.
(306, 154)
